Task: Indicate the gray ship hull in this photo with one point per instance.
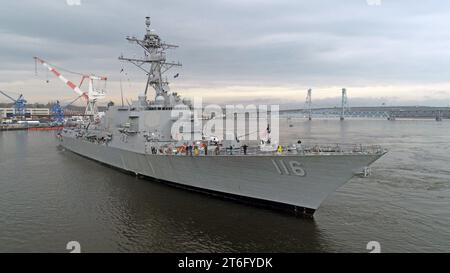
(299, 183)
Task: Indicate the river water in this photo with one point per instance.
(49, 196)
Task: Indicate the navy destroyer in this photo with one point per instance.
(139, 138)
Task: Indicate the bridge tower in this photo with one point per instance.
(344, 103)
(391, 116)
(309, 104)
(439, 115)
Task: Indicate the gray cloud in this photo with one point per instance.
(306, 43)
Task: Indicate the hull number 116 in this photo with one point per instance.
(291, 168)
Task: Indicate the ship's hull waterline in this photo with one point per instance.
(297, 183)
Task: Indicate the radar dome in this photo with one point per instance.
(159, 100)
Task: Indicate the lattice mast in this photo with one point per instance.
(155, 56)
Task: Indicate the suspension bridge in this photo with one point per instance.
(344, 111)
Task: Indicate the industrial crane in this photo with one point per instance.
(57, 114)
(91, 96)
(19, 104)
(58, 111)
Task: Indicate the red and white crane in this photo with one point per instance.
(91, 96)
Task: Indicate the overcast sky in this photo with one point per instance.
(238, 50)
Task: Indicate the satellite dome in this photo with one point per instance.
(159, 100)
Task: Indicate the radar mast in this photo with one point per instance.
(155, 58)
